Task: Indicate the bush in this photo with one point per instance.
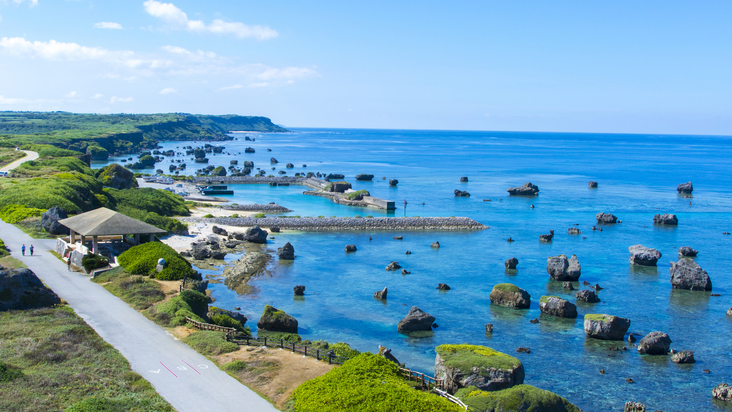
(3, 251)
(74, 192)
(52, 165)
(211, 343)
(366, 383)
(527, 397)
(228, 322)
(92, 261)
(343, 349)
(168, 224)
(162, 202)
(352, 195)
(8, 373)
(259, 215)
(173, 311)
(142, 260)
(234, 366)
(208, 215)
(276, 336)
(16, 213)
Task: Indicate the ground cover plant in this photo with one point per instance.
(3, 250)
(173, 312)
(465, 357)
(73, 191)
(142, 260)
(52, 360)
(210, 342)
(16, 213)
(138, 291)
(8, 155)
(518, 398)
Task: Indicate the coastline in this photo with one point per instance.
(326, 224)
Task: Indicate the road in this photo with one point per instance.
(185, 378)
(28, 157)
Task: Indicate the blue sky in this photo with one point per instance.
(626, 67)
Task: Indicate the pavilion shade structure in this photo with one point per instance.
(105, 222)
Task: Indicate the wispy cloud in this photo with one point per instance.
(107, 25)
(116, 99)
(255, 85)
(177, 19)
(31, 3)
(13, 100)
(168, 90)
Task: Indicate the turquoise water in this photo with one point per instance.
(637, 177)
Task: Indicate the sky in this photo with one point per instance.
(661, 67)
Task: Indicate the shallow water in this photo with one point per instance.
(637, 177)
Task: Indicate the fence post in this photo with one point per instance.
(317, 354)
(306, 351)
(247, 338)
(282, 343)
(265, 341)
(293, 347)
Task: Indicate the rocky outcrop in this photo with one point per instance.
(275, 320)
(255, 235)
(643, 256)
(666, 219)
(393, 182)
(286, 252)
(200, 251)
(686, 251)
(466, 365)
(634, 407)
(351, 248)
(21, 289)
(272, 160)
(219, 231)
(50, 218)
(527, 189)
(461, 193)
(684, 356)
(289, 165)
(556, 306)
(381, 294)
(443, 286)
(574, 231)
(386, 353)
(416, 320)
(117, 177)
(435, 245)
(567, 286)
(364, 177)
(218, 255)
(587, 295)
(464, 179)
(509, 295)
(592, 184)
(606, 327)
(729, 312)
(606, 218)
(253, 263)
(511, 263)
(213, 311)
(334, 176)
(299, 290)
(655, 343)
(547, 238)
(687, 274)
(393, 266)
(722, 392)
(685, 188)
(560, 268)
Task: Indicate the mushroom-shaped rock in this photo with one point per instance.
(655, 343)
(574, 231)
(684, 356)
(592, 184)
(381, 294)
(587, 295)
(685, 188)
(686, 251)
(527, 189)
(561, 268)
(393, 182)
(443, 286)
(286, 252)
(480, 366)
(643, 256)
(556, 306)
(547, 238)
(687, 274)
(461, 193)
(21, 289)
(510, 295)
(393, 266)
(464, 179)
(606, 327)
(334, 176)
(364, 177)
(416, 320)
(351, 248)
(666, 219)
(606, 218)
(511, 263)
(722, 392)
(255, 235)
(275, 320)
(436, 244)
(50, 218)
(299, 290)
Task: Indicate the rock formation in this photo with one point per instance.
(416, 320)
(643, 256)
(464, 179)
(634, 407)
(606, 327)
(684, 356)
(511, 263)
(117, 177)
(556, 306)
(443, 286)
(687, 274)
(461, 193)
(334, 176)
(386, 353)
(527, 189)
(509, 295)
(275, 320)
(567, 286)
(299, 290)
(393, 266)
(393, 182)
(666, 219)
(587, 295)
(480, 366)
(722, 392)
(547, 238)
(21, 289)
(561, 268)
(606, 218)
(364, 177)
(50, 218)
(255, 235)
(381, 294)
(286, 252)
(350, 248)
(574, 231)
(435, 245)
(685, 188)
(686, 251)
(655, 343)
(592, 184)
(219, 231)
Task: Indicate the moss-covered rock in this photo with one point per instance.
(606, 327)
(276, 320)
(480, 366)
(509, 295)
(520, 398)
(117, 176)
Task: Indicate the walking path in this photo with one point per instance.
(28, 157)
(185, 378)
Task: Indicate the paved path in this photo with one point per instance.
(185, 378)
(28, 157)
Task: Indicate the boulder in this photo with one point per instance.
(634, 407)
(435, 245)
(50, 218)
(338, 187)
(464, 179)
(685, 188)
(117, 177)
(405, 272)
(511, 263)
(606, 218)
(443, 286)
(587, 295)
(218, 255)
(606, 327)
(334, 176)
(556, 306)
(237, 236)
(519, 398)
(722, 392)
(386, 353)
(393, 182)
(574, 231)
(21, 289)
(289, 165)
(286, 252)
(655, 343)
(686, 251)
(381, 294)
(233, 162)
(211, 240)
(480, 366)
(567, 286)
(275, 320)
(364, 177)
(729, 312)
(684, 356)
(393, 266)
(272, 160)
(351, 248)
(275, 229)
(255, 235)
(527, 189)
(592, 184)
(231, 244)
(416, 320)
(299, 290)
(687, 274)
(560, 268)
(547, 238)
(200, 251)
(666, 219)
(219, 231)
(643, 256)
(461, 193)
(509, 295)
(213, 311)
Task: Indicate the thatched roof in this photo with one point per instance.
(105, 222)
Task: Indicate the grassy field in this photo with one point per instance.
(8, 155)
(138, 291)
(52, 360)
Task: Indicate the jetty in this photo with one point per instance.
(330, 224)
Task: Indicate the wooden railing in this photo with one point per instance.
(451, 398)
(319, 354)
(209, 326)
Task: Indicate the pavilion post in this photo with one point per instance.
(152, 237)
(137, 239)
(71, 236)
(95, 245)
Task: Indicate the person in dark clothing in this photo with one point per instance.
(31, 250)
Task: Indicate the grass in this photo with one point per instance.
(138, 291)
(545, 299)
(465, 357)
(60, 363)
(11, 262)
(507, 287)
(173, 311)
(32, 227)
(520, 397)
(598, 317)
(8, 156)
(352, 195)
(210, 343)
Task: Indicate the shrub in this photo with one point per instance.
(343, 349)
(52, 165)
(352, 195)
(259, 215)
(142, 260)
(16, 213)
(3, 251)
(73, 191)
(528, 397)
(227, 322)
(276, 336)
(173, 311)
(8, 373)
(211, 343)
(208, 215)
(235, 215)
(92, 261)
(147, 199)
(234, 366)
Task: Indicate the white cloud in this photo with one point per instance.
(263, 84)
(51, 49)
(287, 73)
(97, 96)
(116, 99)
(12, 100)
(108, 25)
(71, 95)
(177, 19)
(168, 90)
(31, 3)
(236, 86)
(182, 51)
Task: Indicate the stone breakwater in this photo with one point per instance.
(325, 224)
(293, 180)
(270, 207)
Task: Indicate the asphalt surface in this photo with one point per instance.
(29, 156)
(185, 378)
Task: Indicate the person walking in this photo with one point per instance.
(31, 250)
(68, 263)
(22, 249)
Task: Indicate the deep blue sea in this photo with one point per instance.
(637, 176)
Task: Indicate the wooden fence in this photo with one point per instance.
(451, 398)
(209, 326)
(319, 354)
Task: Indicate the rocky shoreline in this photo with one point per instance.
(325, 224)
(270, 207)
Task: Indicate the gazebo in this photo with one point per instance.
(105, 222)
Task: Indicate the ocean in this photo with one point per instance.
(637, 176)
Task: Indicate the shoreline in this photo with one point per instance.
(327, 224)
